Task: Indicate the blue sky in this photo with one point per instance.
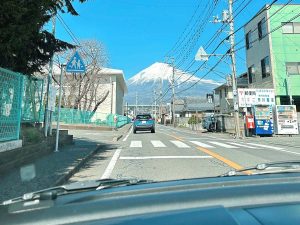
(137, 33)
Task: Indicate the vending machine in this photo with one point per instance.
(263, 119)
(285, 118)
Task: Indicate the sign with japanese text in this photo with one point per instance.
(249, 97)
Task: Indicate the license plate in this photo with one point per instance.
(143, 122)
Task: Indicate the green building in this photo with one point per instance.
(273, 51)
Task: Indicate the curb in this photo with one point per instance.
(116, 138)
(76, 168)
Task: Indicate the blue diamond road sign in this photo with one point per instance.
(75, 64)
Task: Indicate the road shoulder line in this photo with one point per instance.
(111, 165)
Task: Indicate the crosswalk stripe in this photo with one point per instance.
(266, 146)
(180, 144)
(135, 144)
(245, 145)
(167, 157)
(202, 144)
(222, 144)
(158, 144)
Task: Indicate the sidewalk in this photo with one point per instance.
(57, 168)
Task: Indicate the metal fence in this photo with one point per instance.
(32, 103)
(11, 90)
(75, 116)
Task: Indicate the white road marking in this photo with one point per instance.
(202, 144)
(111, 164)
(222, 144)
(125, 138)
(265, 146)
(135, 144)
(180, 144)
(158, 144)
(276, 149)
(245, 145)
(167, 157)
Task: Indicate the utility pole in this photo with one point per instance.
(233, 68)
(155, 105)
(49, 81)
(160, 101)
(136, 101)
(289, 87)
(173, 92)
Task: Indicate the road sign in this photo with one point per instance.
(201, 55)
(75, 64)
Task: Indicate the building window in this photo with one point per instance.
(265, 67)
(293, 68)
(225, 92)
(249, 40)
(220, 94)
(291, 28)
(251, 74)
(262, 29)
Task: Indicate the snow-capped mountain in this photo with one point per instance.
(158, 71)
(149, 80)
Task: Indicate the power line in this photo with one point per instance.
(273, 30)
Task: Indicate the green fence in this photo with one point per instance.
(11, 89)
(74, 116)
(32, 107)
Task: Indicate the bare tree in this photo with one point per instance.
(85, 91)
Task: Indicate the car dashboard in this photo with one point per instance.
(261, 199)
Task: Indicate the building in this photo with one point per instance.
(272, 50)
(103, 92)
(226, 95)
(189, 106)
(113, 80)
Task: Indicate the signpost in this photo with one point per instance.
(74, 65)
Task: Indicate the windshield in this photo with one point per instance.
(145, 90)
(143, 117)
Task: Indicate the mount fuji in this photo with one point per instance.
(145, 83)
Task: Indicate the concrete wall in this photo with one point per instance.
(227, 124)
(257, 52)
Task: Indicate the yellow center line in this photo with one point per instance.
(223, 159)
(176, 137)
(228, 162)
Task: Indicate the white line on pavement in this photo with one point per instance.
(202, 144)
(180, 144)
(167, 157)
(111, 164)
(125, 138)
(245, 145)
(265, 146)
(278, 149)
(158, 144)
(135, 144)
(222, 144)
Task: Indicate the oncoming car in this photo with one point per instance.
(144, 122)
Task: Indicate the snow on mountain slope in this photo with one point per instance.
(158, 71)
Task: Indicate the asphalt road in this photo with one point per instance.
(172, 154)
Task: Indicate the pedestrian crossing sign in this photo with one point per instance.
(75, 64)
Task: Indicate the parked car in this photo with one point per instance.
(144, 122)
(208, 123)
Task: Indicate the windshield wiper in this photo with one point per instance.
(263, 168)
(53, 192)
